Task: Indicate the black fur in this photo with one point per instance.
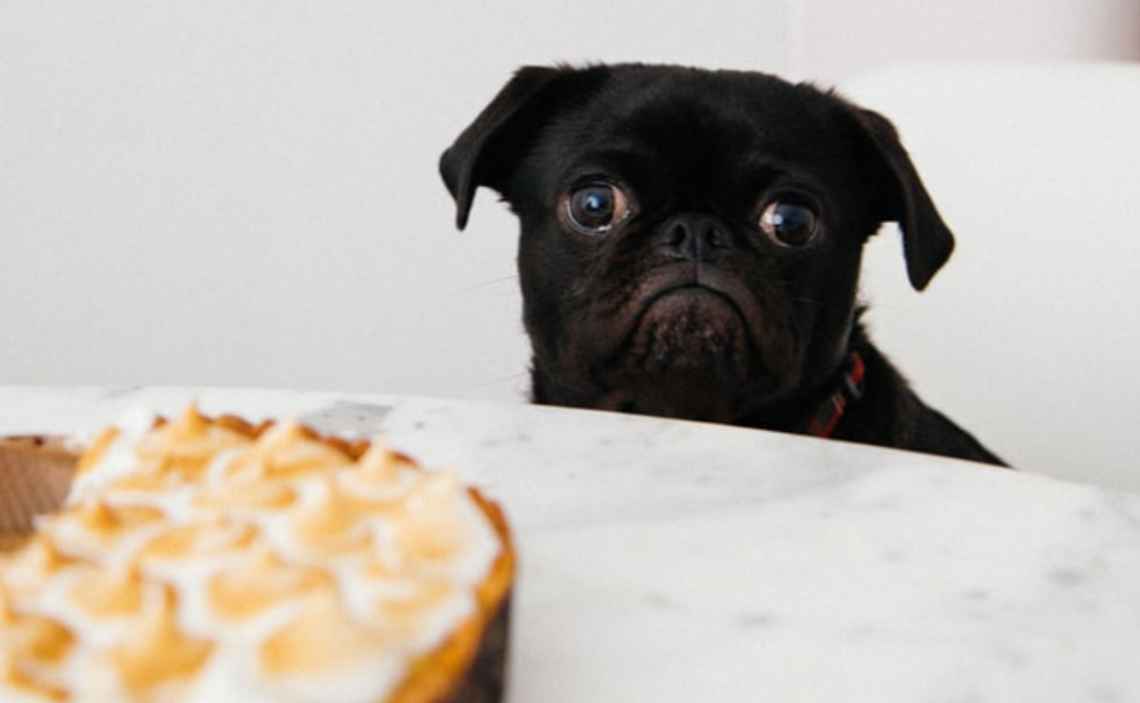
(725, 324)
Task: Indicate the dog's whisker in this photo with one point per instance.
(485, 284)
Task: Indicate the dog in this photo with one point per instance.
(690, 247)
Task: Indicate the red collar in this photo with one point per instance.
(823, 423)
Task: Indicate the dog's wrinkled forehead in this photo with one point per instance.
(695, 126)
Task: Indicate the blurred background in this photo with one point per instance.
(245, 193)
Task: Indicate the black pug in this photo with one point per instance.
(691, 242)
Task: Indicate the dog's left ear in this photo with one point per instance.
(489, 149)
(927, 241)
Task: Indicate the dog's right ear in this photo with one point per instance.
(488, 150)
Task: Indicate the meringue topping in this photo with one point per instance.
(203, 556)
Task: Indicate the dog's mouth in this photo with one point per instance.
(689, 327)
(686, 319)
(699, 301)
(688, 342)
(687, 352)
(670, 297)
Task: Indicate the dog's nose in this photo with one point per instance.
(693, 237)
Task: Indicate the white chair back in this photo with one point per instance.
(1030, 336)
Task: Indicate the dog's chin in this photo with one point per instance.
(689, 356)
(689, 329)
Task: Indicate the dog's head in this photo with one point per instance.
(690, 240)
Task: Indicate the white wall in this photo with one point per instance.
(237, 192)
(240, 192)
(835, 40)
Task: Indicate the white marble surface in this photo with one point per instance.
(668, 561)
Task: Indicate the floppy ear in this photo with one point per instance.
(927, 241)
(489, 149)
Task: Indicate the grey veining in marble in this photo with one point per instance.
(673, 561)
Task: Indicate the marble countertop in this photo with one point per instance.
(672, 561)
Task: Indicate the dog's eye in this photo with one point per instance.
(788, 224)
(596, 208)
